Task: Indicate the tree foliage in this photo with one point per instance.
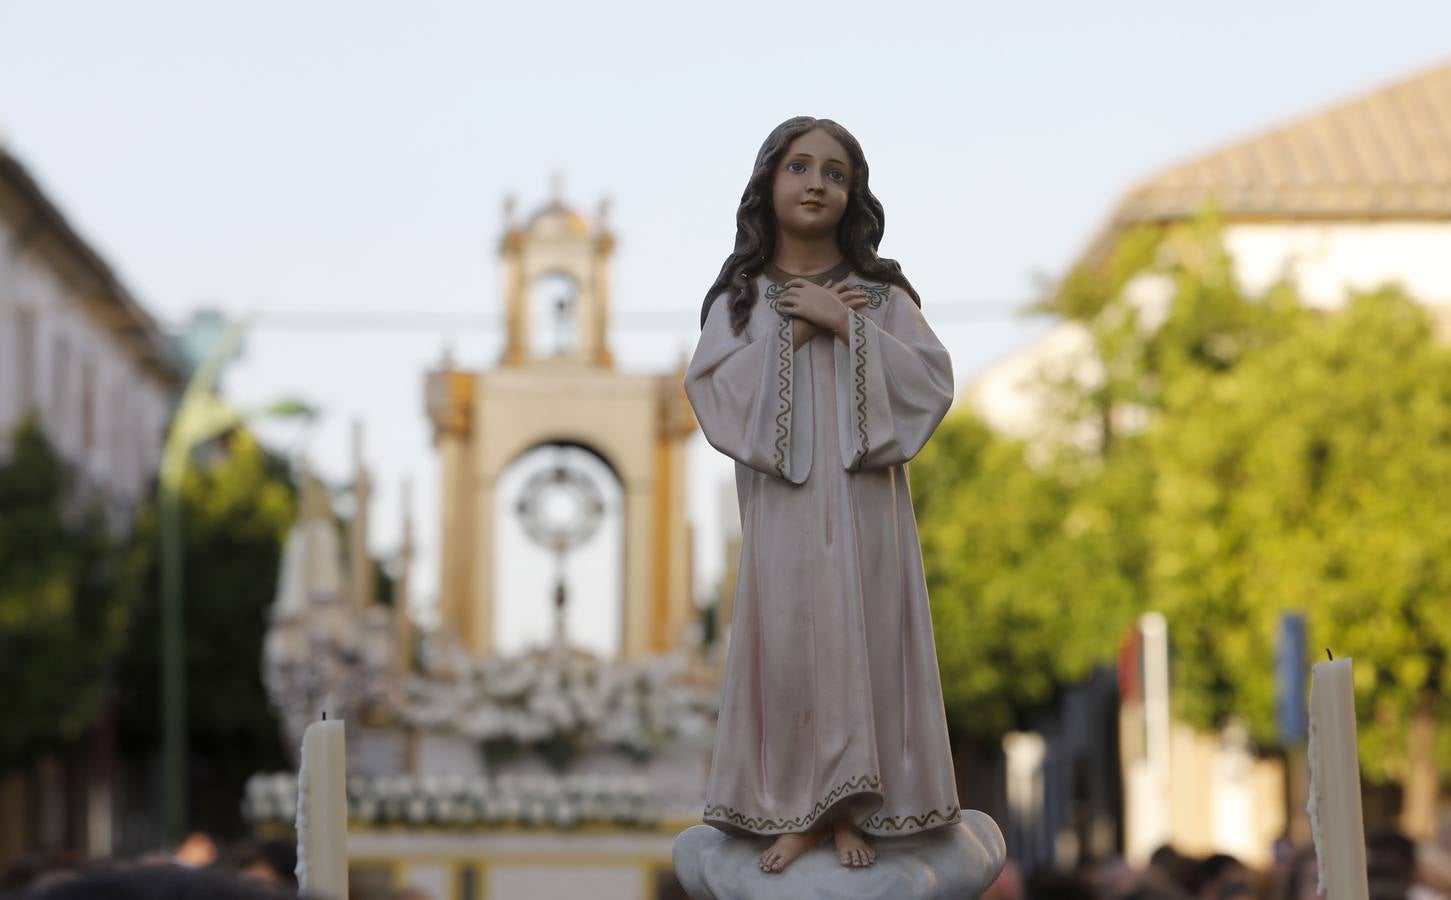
(1316, 476)
(237, 506)
(1032, 571)
(1225, 458)
(63, 604)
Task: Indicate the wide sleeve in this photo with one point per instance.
(893, 385)
(744, 392)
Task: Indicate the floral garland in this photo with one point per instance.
(537, 801)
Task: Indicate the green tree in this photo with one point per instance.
(1037, 568)
(1032, 570)
(238, 504)
(63, 608)
(1315, 476)
(1229, 457)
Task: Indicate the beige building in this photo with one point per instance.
(82, 355)
(557, 385)
(1345, 199)
(78, 350)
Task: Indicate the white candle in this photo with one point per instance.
(322, 812)
(1334, 807)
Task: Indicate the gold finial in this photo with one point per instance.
(407, 503)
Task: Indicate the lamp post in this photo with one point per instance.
(200, 416)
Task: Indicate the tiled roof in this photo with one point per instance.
(1383, 155)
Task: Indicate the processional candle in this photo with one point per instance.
(322, 812)
(1335, 815)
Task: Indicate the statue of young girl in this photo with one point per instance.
(818, 375)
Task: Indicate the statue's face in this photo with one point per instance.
(812, 183)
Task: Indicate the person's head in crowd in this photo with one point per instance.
(198, 850)
(164, 882)
(1110, 878)
(1163, 858)
(271, 863)
(1050, 885)
(1155, 889)
(17, 875)
(1169, 867)
(1390, 863)
(1385, 846)
(1222, 874)
(1236, 890)
(38, 869)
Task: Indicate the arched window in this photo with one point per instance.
(554, 299)
(559, 523)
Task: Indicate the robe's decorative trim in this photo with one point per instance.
(761, 825)
(876, 293)
(783, 393)
(859, 381)
(907, 824)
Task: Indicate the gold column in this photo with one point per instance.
(478, 635)
(363, 580)
(680, 590)
(450, 405)
(660, 618)
(639, 550)
(678, 424)
(600, 300)
(516, 300)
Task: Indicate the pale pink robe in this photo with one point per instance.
(832, 701)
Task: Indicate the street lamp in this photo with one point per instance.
(200, 416)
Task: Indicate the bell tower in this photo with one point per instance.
(556, 389)
(556, 286)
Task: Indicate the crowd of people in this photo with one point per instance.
(198, 870)
(1397, 869)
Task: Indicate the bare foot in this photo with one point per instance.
(786, 848)
(851, 848)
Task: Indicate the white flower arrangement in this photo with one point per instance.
(551, 694)
(559, 694)
(535, 801)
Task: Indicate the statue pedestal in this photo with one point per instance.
(949, 863)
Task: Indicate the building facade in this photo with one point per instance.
(91, 365)
(78, 351)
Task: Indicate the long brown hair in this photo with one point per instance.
(858, 234)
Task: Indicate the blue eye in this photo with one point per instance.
(797, 167)
(836, 175)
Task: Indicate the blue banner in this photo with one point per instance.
(1290, 665)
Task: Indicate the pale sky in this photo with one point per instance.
(351, 158)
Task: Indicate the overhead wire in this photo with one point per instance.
(623, 320)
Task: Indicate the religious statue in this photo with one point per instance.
(817, 372)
